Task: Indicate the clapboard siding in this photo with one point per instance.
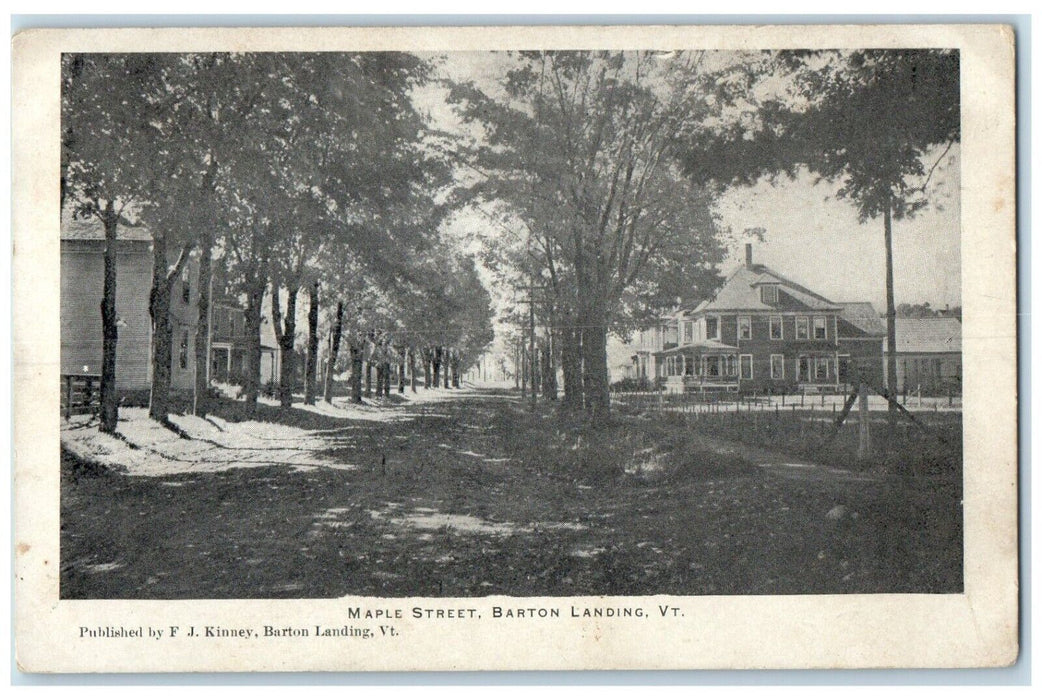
(82, 282)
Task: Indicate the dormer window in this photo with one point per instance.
(769, 294)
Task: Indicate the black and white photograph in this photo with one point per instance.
(523, 334)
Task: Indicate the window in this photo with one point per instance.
(821, 369)
(804, 369)
(689, 331)
(183, 355)
(712, 366)
(712, 328)
(819, 328)
(769, 294)
(747, 366)
(186, 289)
(732, 369)
(745, 328)
(776, 328)
(802, 328)
(777, 366)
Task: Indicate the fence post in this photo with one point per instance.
(68, 396)
(88, 392)
(864, 441)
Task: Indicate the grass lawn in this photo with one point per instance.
(476, 496)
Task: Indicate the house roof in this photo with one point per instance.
(741, 292)
(90, 228)
(928, 335)
(700, 345)
(863, 316)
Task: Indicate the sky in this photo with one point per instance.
(809, 235)
(815, 239)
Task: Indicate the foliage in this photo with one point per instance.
(580, 149)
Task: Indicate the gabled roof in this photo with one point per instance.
(928, 335)
(862, 315)
(741, 292)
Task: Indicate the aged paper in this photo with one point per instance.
(128, 632)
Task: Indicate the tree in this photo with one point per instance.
(109, 107)
(582, 149)
(877, 122)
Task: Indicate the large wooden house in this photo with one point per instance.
(82, 264)
(763, 332)
(82, 275)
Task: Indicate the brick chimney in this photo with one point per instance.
(749, 255)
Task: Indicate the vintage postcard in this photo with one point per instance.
(512, 348)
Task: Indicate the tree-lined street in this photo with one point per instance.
(473, 495)
(397, 224)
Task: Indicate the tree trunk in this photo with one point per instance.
(334, 350)
(595, 366)
(522, 358)
(401, 371)
(286, 334)
(163, 279)
(455, 364)
(379, 379)
(436, 365)
(109, 330)
(356, 373)
(311, 366)
(427, 368)
(445, 367)
(201, 380)
(412, 369)
(162, 332)
(368, 379)
(571, 367)
(254, 299)
(201, 383)
(891, 332)
(387, 378)
(547, 373)
(517, 365)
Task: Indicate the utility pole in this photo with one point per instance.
(530, 363)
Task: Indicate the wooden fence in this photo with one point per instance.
(807, 426)
(80, 393)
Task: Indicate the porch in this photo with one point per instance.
(701, 367)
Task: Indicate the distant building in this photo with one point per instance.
(861, 334)
(762, 332)
(82, 277)
(929, 354)
(228, 344)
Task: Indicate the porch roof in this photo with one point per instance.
(698, 347)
